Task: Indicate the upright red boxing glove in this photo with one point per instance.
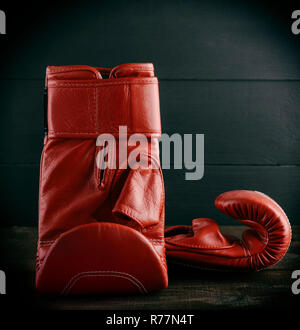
(101, 227)
(203, 246)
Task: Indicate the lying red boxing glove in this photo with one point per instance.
(101, 229)
(203, 246)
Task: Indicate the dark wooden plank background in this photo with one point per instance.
(227, 69)
(187, 290)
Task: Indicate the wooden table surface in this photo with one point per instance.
(189, 289)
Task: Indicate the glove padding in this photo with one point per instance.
(101, 211)
(202, 245)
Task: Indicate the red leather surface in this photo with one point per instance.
(203, 245)
(100, 230)
(130, 97)
(102, 257)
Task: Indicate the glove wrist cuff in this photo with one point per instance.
(88, 108)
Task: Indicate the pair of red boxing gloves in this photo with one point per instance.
(101, 222)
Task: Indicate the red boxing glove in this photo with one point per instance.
(101, 228)
(203, 245)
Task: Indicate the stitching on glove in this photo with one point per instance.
(81, 275)
(46, 243)
(186, 245)
(59, 132)
(100, 84)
